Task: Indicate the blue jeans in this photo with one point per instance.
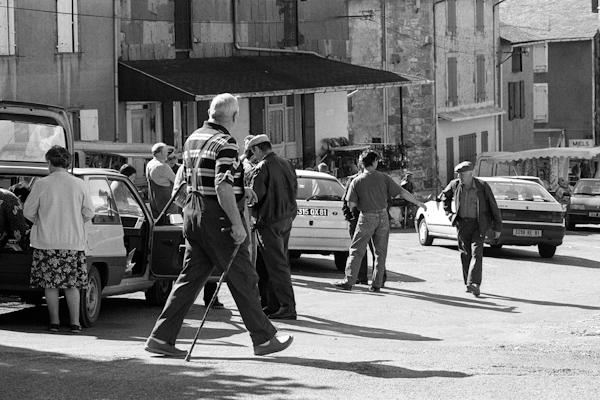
(371, 225)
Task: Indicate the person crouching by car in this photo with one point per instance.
(59, 205)
(472, 209)
(13, 225)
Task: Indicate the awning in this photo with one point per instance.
(550, 152)
(470, 113)
(197, 79)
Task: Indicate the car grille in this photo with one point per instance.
(532, 216)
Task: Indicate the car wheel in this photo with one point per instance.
(340, 260)
(425, 239)
(159, 292)
(546, 250)
(294, 254)
(91, 299)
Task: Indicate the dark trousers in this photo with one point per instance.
(208, 248)
(274, 238)
(363, 271)
(209, 290)
(470, 245)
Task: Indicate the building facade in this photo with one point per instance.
(465, 41)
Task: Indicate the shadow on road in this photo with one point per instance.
(583, 231)
(321, 324)
(466, 302)
(540, 302)
(373, 368)
(54, 375)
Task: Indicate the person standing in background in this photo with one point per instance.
(160, 178)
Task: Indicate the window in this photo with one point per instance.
(516, 100)
(467, 147)
(540, 57)
(517, 59)
(275, 127)
(449, 159)
(7, 27)
(183, 25)
(130, 211)
(67, 26)
(290, 23)
(451, 17)
(540, 102)
(281, 119)
(105, 209)
(484, 141)
(452, 82)
(480, 73)
(479, 10)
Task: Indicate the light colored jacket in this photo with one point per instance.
(59, 205)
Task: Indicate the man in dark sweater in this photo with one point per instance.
(275, 185)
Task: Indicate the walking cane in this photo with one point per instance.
(214, 297)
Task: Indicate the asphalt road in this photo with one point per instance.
(533, 334)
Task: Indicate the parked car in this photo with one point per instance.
(127, 251)
(527, 178)
(584, 206)
(320, 226)
(531, 217)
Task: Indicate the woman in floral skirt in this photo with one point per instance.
(58, 206)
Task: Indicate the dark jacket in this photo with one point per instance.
(275, 183)
(349, 215)
(488, 213)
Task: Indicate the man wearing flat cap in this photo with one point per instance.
(472, 209)
(275, 184)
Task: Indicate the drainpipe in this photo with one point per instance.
(116, 30)
(386, 128)
(497, 100)
(435, 117)
(264, 49)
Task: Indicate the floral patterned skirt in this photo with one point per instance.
(61, 269)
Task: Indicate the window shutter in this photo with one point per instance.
(257, 116)
(449, 159)
(183, 29)
(484, 141)
(511, 101)
(480, 78)
(479, 8)
(7, 27)
(522, 99)
(517, 59)
(540, 102)
(451, 20)
(452, 81)
(64, 23)
(595, 6)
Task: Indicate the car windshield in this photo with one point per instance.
(523, 191)
(319, 189)
(588, 187)
(28, 141)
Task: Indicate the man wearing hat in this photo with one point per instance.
(472, 209)
(160, 178)
(275, 183)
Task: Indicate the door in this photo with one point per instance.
(166, 259)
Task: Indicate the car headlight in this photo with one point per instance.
(577, 207)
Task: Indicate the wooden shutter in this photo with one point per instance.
(484, 141)
(480, 77)
(451, 17)
(511, 101)
(517, 59)
(290, 23)
(66, 22)
(479, 15)
(7, 27)
(521, 99)
(540, 102)
(257, 115)
(449, 159)
(595, 6)
(452, 81)
(467, 147)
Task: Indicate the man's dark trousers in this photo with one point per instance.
(275, 237)
(363, 271)
(207, 248)
(470, 245)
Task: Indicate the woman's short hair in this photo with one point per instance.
(58, 156)
(127, 170)
(368, 157)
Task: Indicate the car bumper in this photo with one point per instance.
(582, 217)
(551, 235)
(319, 240)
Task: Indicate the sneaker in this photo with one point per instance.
(276, 344)
(343, 285)
(161, 347)
(75, 328)
(54, 328)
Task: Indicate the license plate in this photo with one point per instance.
(313, 212)
(594, 214)
(527, 232)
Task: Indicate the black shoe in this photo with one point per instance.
(474, 289)
(343, 285)
(362, 282)
(282, 313)
(469, 289)
(270, 310)
(217, 305)
(75, 328)
(277, 343)
(374, 289)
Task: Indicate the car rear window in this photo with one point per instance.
(28, 140)
(524, 191)
(319, 189)
(590, 187)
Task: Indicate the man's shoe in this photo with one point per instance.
(374, 289)
(282, 313)
(277, 343)
(362, 282)
(161, 347)
(343, 285)
(217, 305)
(469, 289)
(474, 288)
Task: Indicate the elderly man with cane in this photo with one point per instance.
(216, 235)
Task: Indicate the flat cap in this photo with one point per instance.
(247, 140)
(157, 146)
(464, 167)
(258, 139)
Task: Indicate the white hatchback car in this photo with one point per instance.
(320, 227)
